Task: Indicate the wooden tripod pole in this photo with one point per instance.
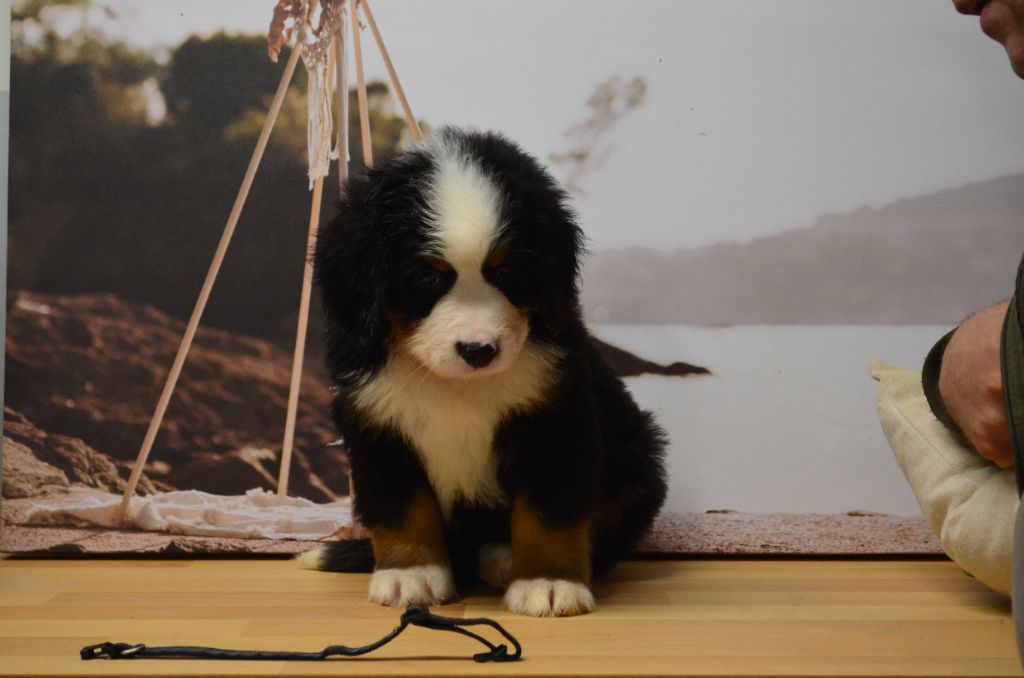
(364, 111)
(410, 119)
(300, 341)
(204, 294)
(341, 63)
(288, 444)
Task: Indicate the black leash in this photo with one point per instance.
(413, 616)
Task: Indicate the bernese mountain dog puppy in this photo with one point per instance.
(487, 437)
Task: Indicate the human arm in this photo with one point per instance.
(971, 385)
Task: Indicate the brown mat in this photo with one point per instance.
(714, 533)
(731, 533)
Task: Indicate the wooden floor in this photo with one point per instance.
(694, 617)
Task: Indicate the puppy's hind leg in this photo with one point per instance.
(494, 564)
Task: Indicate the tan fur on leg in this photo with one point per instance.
(412, 560)
(539, 550)
(550, 566)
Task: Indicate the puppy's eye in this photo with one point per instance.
(503, 272)
(427, 279)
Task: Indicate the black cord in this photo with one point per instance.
(413, 616)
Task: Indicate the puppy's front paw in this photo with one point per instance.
(549, 598)
(421, 585)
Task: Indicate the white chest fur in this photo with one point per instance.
(451, 422)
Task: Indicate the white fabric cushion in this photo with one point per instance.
(969, 502)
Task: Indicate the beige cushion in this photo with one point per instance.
(970, 502)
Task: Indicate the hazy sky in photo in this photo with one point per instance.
(761, 115)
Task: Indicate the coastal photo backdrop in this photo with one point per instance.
(773, 192)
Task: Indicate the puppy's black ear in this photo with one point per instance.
(351, 268)
(558, 245)
(563, 250)
(566, 242)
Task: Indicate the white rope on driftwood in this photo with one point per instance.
(317, 48)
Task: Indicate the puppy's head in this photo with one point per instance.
(457, 253)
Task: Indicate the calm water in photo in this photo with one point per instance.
(787, 421)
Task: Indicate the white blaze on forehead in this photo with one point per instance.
(463, 207)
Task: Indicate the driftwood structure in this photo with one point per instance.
(317, 31)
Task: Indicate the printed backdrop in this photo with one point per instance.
(772, 191)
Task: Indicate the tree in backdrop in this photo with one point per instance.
(589, 140)
(108, 196)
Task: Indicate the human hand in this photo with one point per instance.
(971, 384)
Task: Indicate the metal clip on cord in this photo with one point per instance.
(112, 650)
(413, 616)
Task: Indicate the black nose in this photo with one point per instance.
(477, 355)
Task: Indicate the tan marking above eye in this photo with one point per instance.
(438, 264)
(498, 254)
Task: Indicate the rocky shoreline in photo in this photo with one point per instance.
(83, 374)
(82, 377)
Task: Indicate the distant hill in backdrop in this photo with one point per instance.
(933, 259)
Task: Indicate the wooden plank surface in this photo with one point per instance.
(692, 617)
